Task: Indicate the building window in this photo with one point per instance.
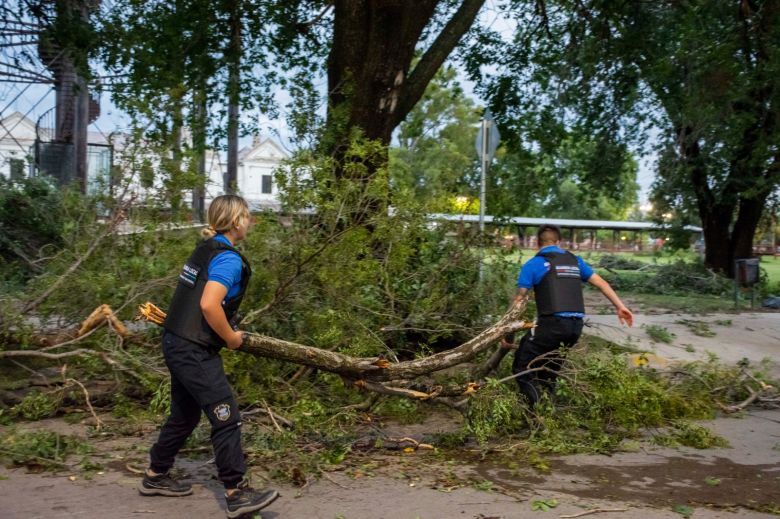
(17, 169)
(267, 184)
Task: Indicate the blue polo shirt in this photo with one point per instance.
(535, 269)
(225, 268)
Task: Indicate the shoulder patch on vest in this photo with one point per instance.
(189, 275)
(222, 412)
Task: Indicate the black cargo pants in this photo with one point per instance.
(551, 333)
(198, 384)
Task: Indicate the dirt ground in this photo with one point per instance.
(742, 481)
(730, 336)
(646, 483)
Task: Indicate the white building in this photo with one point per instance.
(256, 162)
(16, 145)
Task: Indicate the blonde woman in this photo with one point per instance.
(210, 289)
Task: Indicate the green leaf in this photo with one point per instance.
(684, 510)
(713, 482)
(544, 505)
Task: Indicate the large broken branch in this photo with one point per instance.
(379, 368)
(371, 368)
(101, 314)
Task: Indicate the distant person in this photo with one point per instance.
(210, 289)
(556, 277)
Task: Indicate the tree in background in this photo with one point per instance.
(558, 174)
(182, 65)
(564, 180)
(379, 58)
(435, 157)
(703, 72)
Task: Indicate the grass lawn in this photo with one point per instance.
(771, 264)
(593, 256)
(681, 302)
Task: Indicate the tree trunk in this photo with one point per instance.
(200, 121)
(177, 125)
(370, 81)
(233, 56)
(744, 231)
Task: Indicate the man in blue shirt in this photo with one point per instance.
(556, 277)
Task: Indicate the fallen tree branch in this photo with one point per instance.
(376, 387)
(45, 355)
(375, 369)
(594, 511)
(69, 342)
(379, 368)
(740, 406)
(87, 400)
(102, 314)
(271, 415)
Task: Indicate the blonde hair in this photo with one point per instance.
(224, 212)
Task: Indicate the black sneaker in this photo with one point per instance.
(163, 485)
(246, 500)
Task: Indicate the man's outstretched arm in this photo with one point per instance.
(624, 314)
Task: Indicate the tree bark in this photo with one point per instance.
(233, 56)
(199, 144)
(744, 231)
(370, 82)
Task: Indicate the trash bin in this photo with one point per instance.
(746, 271)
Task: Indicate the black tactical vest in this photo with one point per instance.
(560, 290)
(185, 317)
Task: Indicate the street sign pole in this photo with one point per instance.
(486, 144)
(484, 163)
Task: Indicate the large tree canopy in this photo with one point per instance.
(704, 72)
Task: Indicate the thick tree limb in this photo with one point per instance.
(433, 58)
(379, 368)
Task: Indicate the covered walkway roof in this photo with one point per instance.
(565, 223)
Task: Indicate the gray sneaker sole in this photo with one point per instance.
(253, 508)
(144, 491)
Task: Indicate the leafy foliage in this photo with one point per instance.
(600, 400)
(659, 333)
(36, 405)
(701, 73)
(496, 411)
(31, 218)
(680, 277)
(43, 448)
